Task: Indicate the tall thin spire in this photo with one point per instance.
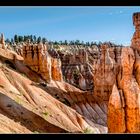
(2, 41)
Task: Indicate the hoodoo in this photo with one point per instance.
(124, 102)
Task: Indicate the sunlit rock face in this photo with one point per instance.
(136, 37)
(124, 102)
(116, 112)
(136, 45)
(38, 59)
(105, 73)
(2, 42)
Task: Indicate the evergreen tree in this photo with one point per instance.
(71, 43)
(77, 42)
(60, 42)
(25, 38)
(16, 39)
(12, 41)
(93, 43)
(56, 43)
(66, 42)
(82, 43)
(7, 41)
(87, 44)
(31, 38)
(34, 38)
(39, 39)
(44, 40)
(20, 38)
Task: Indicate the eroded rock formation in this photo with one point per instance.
(2, 41)
(29, 106)
(39, 60)
(77, 66)
(124, 107)
(105, 71)
(136, 37)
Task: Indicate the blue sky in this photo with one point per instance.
(70, 23)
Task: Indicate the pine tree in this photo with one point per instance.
(60, 42)
(71, 43)
(20, 38)
(66, 42)
(44, 40)
(34, 39)
(56, 43)
(12, 41)
(25, 38)
(16, 39)
(77, 42)
(39, 39)
(31, 38)
(7, 41)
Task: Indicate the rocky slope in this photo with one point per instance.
(28, 103)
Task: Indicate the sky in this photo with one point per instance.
(87, 23)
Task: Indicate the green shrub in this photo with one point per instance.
(46, 114)
(88, 131)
